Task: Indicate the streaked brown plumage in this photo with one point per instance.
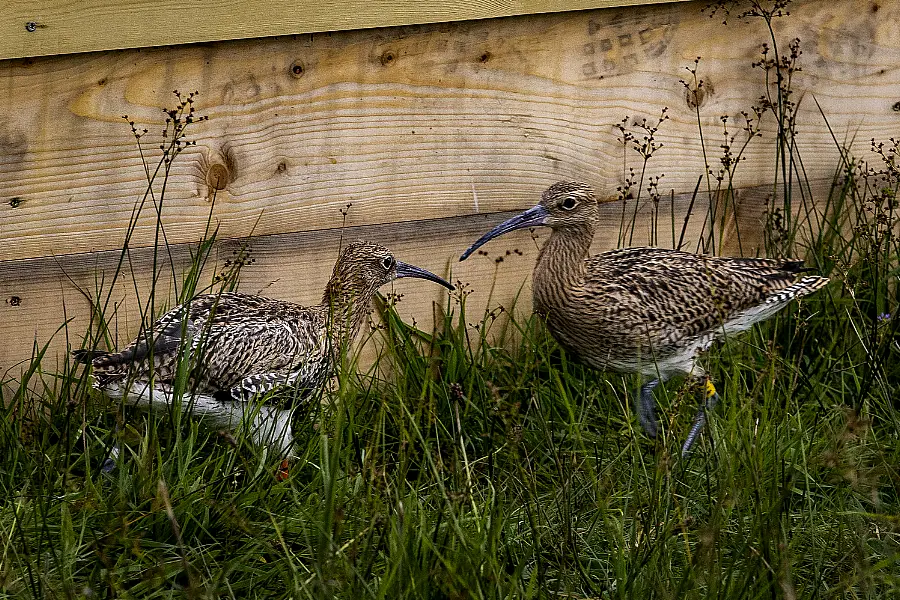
(241, 345)
(644, 310)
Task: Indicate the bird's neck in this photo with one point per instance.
(560, 266)
(345, 307)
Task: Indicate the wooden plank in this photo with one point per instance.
(46, 27)
(38, 296)
(416, 123)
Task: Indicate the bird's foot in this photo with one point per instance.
(646, 408)
(711, 397)
(283, 471)
(109, 463)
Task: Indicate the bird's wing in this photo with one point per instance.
(677, 295)
(237, 342)
(162, 342)
(256, 346)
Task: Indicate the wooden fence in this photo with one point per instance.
(428, 131)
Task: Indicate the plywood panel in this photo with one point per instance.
(43, 27)
(416, 123)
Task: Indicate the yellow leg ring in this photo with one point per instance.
(710, 389)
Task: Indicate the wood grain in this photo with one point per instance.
(84, 26)
(417, 123)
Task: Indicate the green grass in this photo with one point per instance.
(482, 462)
(484, 470)
(500, 472)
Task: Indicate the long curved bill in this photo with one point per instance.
(533, 217)
(405, 270)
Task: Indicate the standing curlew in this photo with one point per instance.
(644, 310)
(238, 346)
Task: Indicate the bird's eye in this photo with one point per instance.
(388, 263)
(569, 203)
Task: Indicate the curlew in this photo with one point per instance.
(240, 346)
(644, 310)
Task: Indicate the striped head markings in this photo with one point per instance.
(570, 203)
(566, 204)
(363, 267)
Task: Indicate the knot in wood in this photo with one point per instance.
(388, 57)
(695, 97)
(217, 177)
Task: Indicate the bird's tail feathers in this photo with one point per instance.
(805, 286)
(87, 356)
(795, 266)
(104, 360)
(773, 303)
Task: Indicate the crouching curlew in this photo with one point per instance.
(239, 346)
(644, 310)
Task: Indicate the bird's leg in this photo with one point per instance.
(109, 463)
(646, 408)
(711, 397)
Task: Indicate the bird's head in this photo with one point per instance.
(363, 267)
(569, 204)
(566, 204)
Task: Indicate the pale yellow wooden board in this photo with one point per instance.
(46, 27)
(417, 123)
